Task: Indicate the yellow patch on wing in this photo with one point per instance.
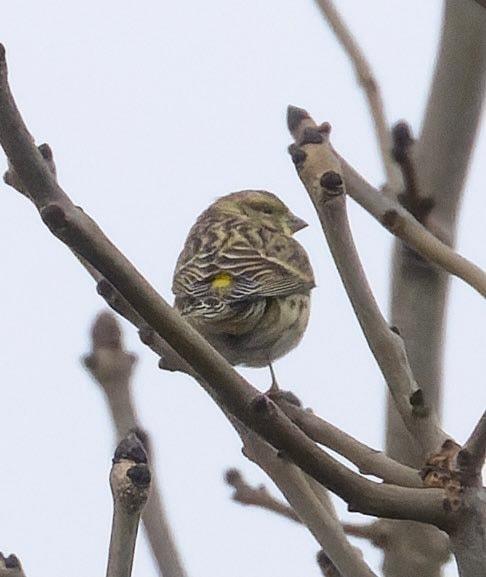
(222, 281)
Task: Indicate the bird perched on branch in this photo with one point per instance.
(242, 281)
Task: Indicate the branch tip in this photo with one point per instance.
(402, 140)
(325, 128)
(130, 448)
(46, 151)
(12, 562)
(106, 332)
(295, 116)
(232, 477)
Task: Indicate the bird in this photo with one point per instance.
(243, 281)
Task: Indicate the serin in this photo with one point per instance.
(242, 281)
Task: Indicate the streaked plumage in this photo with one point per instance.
(243, 281)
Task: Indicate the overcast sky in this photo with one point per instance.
(153, 109)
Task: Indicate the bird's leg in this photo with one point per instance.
(274, 388)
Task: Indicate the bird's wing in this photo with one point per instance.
(237, 262)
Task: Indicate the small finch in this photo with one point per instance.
(242, 281)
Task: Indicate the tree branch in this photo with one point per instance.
(112, 367)
(401, 223)
(369, 461)
(130, 482)
(321, 520)
(411, 197)
(406, 228)
(257, 496)
(370, 86)
(262, 498)
(372, 532)
(471, 457)
(320, 172)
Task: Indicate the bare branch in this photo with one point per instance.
(403, 225)
(130, 482)
(369, 461)
(260, 497)
(321, 520)
(112, 368)
(370, 86)
(257, 496)
(10, 566)
(233, 393)
(374, 532)
(471, 457)
(320, 172)
(411, 198)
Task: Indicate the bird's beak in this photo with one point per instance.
(297, 223)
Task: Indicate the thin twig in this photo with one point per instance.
(321, 520)
(260, 497)
(310, 502)
(411, 198)
(370, 86)
(372, 532)
(369, 461)
(111, 366)
(257, 496)
(130, 483)
(405, 227)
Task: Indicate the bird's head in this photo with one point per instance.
(262, 209)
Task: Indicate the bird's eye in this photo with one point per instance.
(267, 210)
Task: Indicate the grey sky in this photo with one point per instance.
(153, 109)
